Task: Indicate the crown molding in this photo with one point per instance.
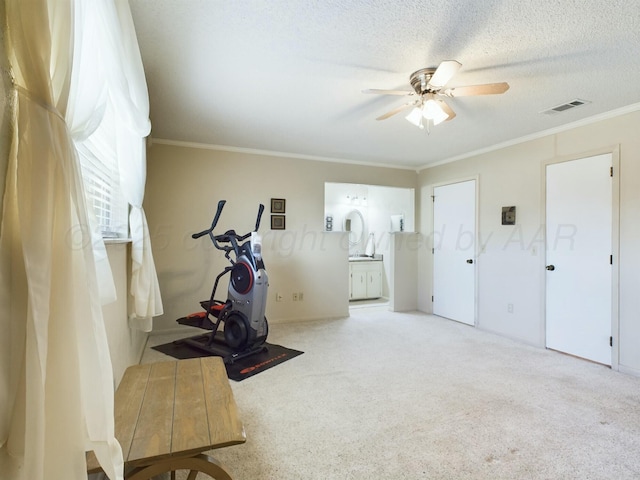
(270, 153)
(534, 136)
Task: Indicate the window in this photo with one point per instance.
(102, 188)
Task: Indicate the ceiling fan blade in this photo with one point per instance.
(470, 90)
(446, 109)
(396, 110)
(445, 71)
(388, 92)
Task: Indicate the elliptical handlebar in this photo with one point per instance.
(260, 210)
(230, 236)
(213, 224)
(199, 234)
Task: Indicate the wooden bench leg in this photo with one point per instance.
(200, 463)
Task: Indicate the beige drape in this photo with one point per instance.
(56, 385)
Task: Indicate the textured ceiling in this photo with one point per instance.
(287, 76)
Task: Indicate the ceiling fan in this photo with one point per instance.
(428, 84)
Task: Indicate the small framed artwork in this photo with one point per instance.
(508, 215)
(277, 222)
(278, 205)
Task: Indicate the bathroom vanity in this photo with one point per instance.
(365, 277)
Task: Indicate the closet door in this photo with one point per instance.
(579, 206)
(454, 226)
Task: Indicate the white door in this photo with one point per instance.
(579, 271)
(454, 227)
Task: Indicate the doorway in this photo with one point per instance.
(454, 274)
(579, 257)
(371, 214)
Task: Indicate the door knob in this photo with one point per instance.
(551, 268)
(470, 260)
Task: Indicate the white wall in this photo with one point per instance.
(184, 185)
(340, 199)
(404, 271)
(511, 258)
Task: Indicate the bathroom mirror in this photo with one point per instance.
(354, 224)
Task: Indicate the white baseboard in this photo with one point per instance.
(629, 370)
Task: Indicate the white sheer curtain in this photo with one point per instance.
(56, 384)
(88, 95)
(130, 102)
(120, 134)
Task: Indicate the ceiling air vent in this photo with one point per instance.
(565, 106)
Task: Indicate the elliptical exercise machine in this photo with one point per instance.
(243, 312)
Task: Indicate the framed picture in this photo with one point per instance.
(508, 215)
(277, 222)
(278, 205)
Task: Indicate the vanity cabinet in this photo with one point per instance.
(365, 280)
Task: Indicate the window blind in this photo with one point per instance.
(102, 188)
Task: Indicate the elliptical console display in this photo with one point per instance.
(243, 312)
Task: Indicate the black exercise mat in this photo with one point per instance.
(242, 368)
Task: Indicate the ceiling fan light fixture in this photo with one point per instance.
(415, 117)
(434, 112)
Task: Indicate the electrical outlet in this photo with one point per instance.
(295, 296)
(279, 297)
(510, 307)
(300, 296)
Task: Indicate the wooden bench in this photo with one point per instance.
(168, 413)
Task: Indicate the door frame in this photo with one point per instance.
(615, 242)
(476, 250)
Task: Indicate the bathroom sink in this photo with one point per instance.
(363, 258)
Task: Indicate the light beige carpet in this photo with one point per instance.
(382, 395)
